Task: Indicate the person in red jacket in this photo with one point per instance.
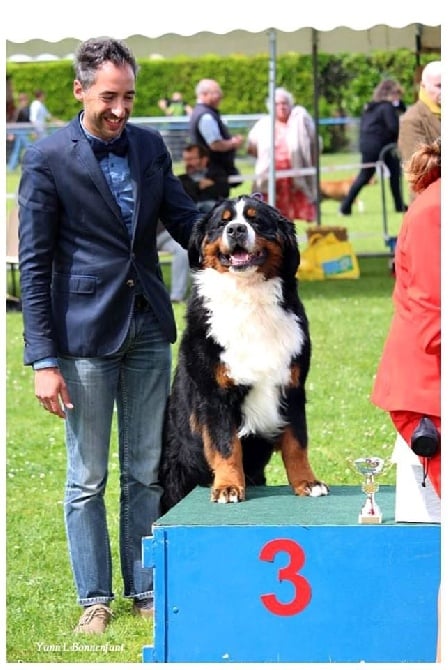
(408, 380)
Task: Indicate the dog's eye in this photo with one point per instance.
(251, 212)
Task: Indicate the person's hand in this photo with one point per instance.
(51, 391)
(205, 183)
(237, 141)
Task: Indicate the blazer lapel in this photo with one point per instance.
(84, 154)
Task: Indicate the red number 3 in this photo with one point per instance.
(288, 573)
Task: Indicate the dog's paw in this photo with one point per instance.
(313, 489)
(227, 494)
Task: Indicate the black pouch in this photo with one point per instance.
(425, 440)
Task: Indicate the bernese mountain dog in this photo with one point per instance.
(238, 390)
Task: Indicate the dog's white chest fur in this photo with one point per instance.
(258, 337)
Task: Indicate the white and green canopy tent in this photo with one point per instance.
(50, 29)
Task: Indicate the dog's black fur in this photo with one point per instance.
(227, 412)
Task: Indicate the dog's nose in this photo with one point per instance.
(236, 231)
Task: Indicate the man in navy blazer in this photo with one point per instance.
(98, 320)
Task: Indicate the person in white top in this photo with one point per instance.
(39, 114)
(295, 149)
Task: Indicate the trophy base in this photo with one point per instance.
(370, 518)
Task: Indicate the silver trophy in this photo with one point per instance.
(370, 467)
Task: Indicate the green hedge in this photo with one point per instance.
(346, 81)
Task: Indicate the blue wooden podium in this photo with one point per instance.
(280, 578)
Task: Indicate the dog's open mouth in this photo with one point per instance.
(240, 258)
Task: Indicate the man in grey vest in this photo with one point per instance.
(209, 130)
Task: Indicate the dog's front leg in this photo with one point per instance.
(300, 475)
(228, 483)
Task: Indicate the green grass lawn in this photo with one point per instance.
(349, 320)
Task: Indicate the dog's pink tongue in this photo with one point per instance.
(239, 258)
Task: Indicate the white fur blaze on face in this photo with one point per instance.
(239, 219)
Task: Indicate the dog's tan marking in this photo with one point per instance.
(227, 215)
(272, 266)
(270, 269)
(295, 458)
(222, 376)
(210, 252)
(228, 484)
(194, 424)
(295, 375)
(251, 212)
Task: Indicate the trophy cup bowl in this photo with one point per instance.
(369, 467)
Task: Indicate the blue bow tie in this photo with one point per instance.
(102, 149)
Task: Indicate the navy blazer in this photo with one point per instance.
(78, 265)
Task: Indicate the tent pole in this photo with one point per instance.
(315, 40)
(418, 43)
(271, 105)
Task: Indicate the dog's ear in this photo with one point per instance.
(194, 245)
(195, 242)
(197, 237)
(291, 257)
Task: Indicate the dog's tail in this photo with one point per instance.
(176, 481)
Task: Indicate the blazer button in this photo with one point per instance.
(130, 283)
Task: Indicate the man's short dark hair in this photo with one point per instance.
(203, 152)
(92, 53)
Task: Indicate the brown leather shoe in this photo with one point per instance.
(146, 611)
(94, 619)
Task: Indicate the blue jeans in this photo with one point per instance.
(21, 142)
(137, 380)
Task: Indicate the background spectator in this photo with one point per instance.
(205, 184)
(378, 129)
(295, 141)
(209, 130)
(180, 267)
(175, 106)
(421, 123)
(10, 102)
(39, 114)
(21, 138)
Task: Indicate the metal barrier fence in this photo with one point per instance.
(175, 133)
(174, 130)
